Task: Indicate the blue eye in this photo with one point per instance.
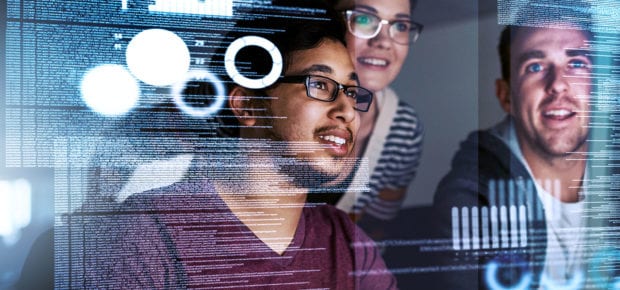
(534, 68)
(578, 64)
(401, 26)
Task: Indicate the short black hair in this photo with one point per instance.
(575, 15)
(504, 52)
(288, 33)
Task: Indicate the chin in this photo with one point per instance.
(563, 148)
(318, 173)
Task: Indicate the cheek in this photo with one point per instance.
(584, 94)
(354, 45)
(296, 118)
(400, 55)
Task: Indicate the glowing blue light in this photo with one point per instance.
(200, 75)
(491, 278)
(602, 259)
(109, 90)
(157, 57)
(15, 209)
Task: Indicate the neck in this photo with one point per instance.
(564, 173)
(265, 201)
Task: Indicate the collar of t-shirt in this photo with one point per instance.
(564, 220)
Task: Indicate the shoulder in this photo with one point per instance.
(405, 115)
(406, 131)
(481, 158)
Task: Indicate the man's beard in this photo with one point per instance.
(305, 171)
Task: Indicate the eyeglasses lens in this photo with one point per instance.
(321, 88)
(362, 97)
(327, 90)
(363, 25)
(400, 31)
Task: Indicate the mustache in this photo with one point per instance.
(563, 99)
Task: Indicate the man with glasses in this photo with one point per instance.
(241, 219)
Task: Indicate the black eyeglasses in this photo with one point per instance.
(367, 25)
(326, 90)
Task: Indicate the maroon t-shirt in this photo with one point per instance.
(185, 236)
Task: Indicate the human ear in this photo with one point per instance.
(502, 92)
(239, 103)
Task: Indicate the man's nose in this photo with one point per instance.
(343, 108)
(557, 82)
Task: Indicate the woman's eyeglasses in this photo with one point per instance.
(367, 25)
(325, 89)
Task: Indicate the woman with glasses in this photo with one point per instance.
(378, 40)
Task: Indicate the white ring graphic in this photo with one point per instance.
(198, 75)
(231, 68)
(491, 279)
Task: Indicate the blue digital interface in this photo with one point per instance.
(105, 100)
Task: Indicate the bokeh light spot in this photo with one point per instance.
(110, 90)
(157, 57)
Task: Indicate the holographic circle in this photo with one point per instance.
(199, 75)
(235, 75)
(157, 57)
(490, 277)
(110, 90)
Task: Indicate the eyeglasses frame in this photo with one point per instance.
(306, 78)
(414, 26)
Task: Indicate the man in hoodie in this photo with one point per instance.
(512, 205)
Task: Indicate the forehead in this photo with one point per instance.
(329, 53)
(549, 40)
(385, 8)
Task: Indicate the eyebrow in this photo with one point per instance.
(532, 54)
(571, 52)
(373, 10)
(317, 68)
(325, 69)
(366, 7)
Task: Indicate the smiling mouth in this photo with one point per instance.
(559, 114)
(334, 139)
(373, 61)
